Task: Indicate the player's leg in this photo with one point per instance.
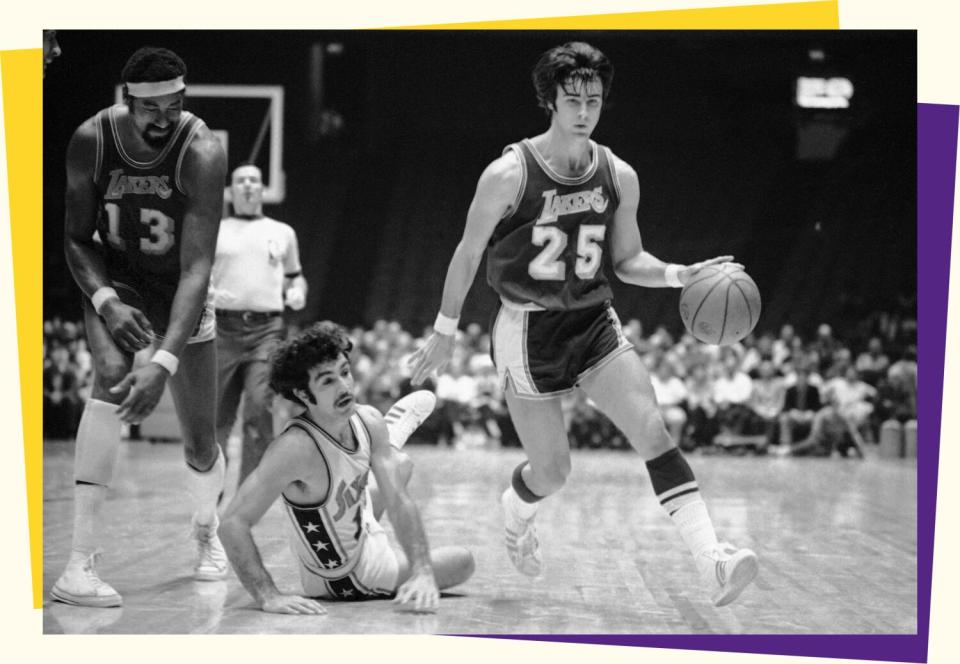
(539, 425)
(194, 395)
(452, 565)
(621, 388)
(403, 418)
(259, 342)
(229, 384)
(531, 351)
(257, 419)
(95, 460)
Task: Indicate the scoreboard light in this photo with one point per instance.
(820, 92)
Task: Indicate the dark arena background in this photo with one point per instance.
(793, 151)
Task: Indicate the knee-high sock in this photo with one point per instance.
(205, 489)
(679, 494)
(95, 461)
(88, 500)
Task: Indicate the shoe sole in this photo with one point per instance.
(740, 577)
(95, 602)
(399, 410)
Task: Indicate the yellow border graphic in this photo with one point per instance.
(788, 16)
(23, 115)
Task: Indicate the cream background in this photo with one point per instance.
(938, 82)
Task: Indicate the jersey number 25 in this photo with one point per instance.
(161, 230)
(547, 266)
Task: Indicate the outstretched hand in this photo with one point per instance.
(421, 590)
(687, 273)
(293, 604)
(432, 357)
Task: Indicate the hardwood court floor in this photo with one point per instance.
(836, 539)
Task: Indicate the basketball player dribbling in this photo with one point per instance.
(147, 178)
(552, 212)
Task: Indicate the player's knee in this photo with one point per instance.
(109, 371)
(467, 565)
(459, 567)
(200, 457)
(553, 475)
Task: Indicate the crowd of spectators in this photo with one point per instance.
(67, 377)
(771, 392)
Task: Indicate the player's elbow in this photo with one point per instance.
(196, 272)
(623, 270)
(468, 255)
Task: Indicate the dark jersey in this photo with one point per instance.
(551, 250)
(141, 204)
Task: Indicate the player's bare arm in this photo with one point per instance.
(295, 287)
(203, 173)
(632, 263)
(202, 176)
(386, 462)
(127, 325)
(496, 192)
(282, 465)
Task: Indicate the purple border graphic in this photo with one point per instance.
(936, 171)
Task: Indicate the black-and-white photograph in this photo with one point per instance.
(480, 332)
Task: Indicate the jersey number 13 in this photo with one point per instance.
(161, 230)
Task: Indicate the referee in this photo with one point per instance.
(256, 272)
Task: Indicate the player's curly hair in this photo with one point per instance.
(150, 64)
(291, 363)
(572, 62)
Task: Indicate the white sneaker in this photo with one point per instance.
(523, 545)
(212, 560)
(728, 571)
(79, 585)
(406, 415)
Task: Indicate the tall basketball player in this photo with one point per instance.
(147, 178)
(555, 210)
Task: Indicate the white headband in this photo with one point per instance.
(156, 88)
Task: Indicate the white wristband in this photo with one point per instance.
(672, 275)
(100, 296)
(166, 360)
(296, 299)
(446, 326)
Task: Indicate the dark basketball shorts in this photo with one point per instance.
(547, 353)
(155, 302)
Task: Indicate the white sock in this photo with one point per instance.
(205, 488)
(87, 501)
(517, 506)
(95, 461)
(696, 528)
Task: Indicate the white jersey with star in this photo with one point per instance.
(328, 537)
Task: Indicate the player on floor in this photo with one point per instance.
(552, 212)
(321, 466)
(147, 177)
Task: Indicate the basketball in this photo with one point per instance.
(720, 305)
